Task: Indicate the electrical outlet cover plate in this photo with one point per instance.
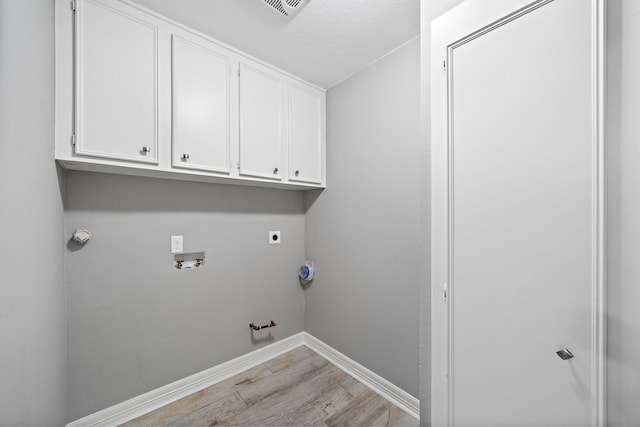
(274, 237)
(177, 243)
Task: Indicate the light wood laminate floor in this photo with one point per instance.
(299, 388)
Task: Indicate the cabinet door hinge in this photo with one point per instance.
(444, 65)
(238, 165)
(73, 5)
(238, 70)
(73, 139)
(444, 286)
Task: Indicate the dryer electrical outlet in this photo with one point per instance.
(274, 237)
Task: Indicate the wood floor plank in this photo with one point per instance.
(167, 414)
(281, 382)
(217, 413)
(353, 386)
(395, 417)
(299, 404)
(315, 411)
(362, 410)
(290, 358)
(398, 417)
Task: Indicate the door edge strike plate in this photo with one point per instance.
(564, 354)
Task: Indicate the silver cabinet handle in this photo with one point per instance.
(564, 354)
(297, 173)
(275, 171)
(146, 149)
(185, 157)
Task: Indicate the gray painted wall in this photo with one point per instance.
(624, 212)
(32, 300)
(135, 323)
(363, 231)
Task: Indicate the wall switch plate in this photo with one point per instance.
(177, 244)
(274, 237)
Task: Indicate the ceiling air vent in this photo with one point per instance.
(285, 7)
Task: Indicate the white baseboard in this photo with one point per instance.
(145, 403)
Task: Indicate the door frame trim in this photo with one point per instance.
(599, 285)
(444, 30)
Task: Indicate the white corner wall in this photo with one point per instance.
(32, 295)
(623, 212)
(429, 10)
(364, 232)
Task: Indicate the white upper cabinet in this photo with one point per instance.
(140, 94)
(306, 124)
(201, 112)
(261, 115)
(116, 83)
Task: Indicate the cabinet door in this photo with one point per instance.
(305, 134)
(201, 113)
(260, 123)
(117, 83)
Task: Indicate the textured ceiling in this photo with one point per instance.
(326, 42)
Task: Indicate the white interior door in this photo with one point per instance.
(517, 214)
